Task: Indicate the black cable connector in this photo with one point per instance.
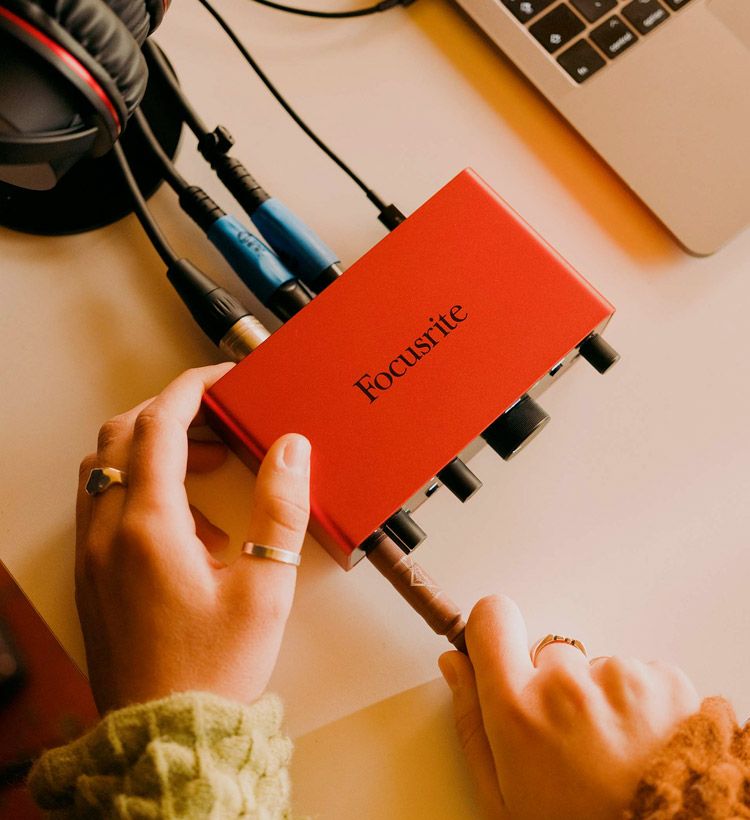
(218, 141)
(391, 217)
(222, 317)
(199, 206)
(212, 307)
(238, 180)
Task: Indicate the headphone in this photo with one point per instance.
(71, 75)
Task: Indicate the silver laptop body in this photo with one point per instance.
(667, 105)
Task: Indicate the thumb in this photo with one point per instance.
(457, 670)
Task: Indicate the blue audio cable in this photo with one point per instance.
(295, 242)
(261, 270)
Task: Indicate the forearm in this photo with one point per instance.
(191, 755)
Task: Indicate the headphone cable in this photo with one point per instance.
(172, 176)
(148, 223)
(166, 73)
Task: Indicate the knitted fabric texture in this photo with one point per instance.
(703, 772)
(191, 755)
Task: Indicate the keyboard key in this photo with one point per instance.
(645, 15)
(526, 9)
(592, 10)
(613, 37)
(556, 28)
(677, 4)
(581, 61)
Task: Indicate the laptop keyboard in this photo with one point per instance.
(610, 27)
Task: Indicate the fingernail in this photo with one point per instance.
(296, 453)
(448, 670)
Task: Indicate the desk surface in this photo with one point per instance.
(623, 524)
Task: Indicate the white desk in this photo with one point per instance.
(624, 524)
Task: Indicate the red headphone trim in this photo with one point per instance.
(68, 59)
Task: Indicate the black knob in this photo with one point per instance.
(459, 479)
(598, 353)
(402, 528)
(516, 427)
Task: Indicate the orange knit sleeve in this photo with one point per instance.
(703, 771)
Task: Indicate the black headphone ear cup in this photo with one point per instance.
(142, 17)
(109, 42)
(135, 15)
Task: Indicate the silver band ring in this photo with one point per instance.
(102, 478)
(273, 553)
(550, 639)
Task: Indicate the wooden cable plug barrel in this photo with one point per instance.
(417, 588)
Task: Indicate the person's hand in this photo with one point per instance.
(566, 739)
(159, 613)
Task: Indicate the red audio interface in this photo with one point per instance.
(427, 342)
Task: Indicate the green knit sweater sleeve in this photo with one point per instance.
(191, 755)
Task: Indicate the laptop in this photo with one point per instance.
(659, 88)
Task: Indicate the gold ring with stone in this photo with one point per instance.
(102, 478)
(550, 639)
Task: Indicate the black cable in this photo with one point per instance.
(158, 240)
(378, 7)
(174, 178)
(189, 114)
(371, 195)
